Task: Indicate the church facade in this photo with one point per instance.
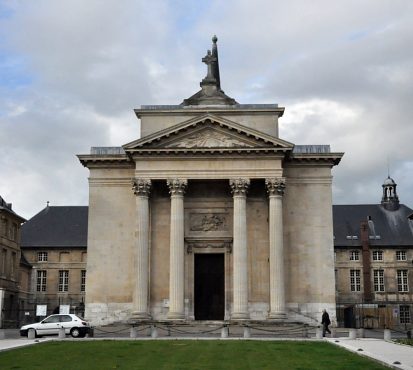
(210, 215)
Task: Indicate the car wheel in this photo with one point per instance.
(31, 333)
(75, 332)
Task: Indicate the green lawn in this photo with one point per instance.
(182, 355)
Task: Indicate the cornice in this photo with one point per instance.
(105, 161)
(319, 159)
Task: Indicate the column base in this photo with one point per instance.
(277, 316)
(240, 316)
(136, 315)
(176, 316)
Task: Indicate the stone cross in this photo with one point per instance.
(209, 60)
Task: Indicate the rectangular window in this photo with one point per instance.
(41, 280)
(404, 314)
(63, 280)
(3, 261)
(377, 255)
(354, 256)
(401, 256)
(13, 265)
(42, 256)
(83, 280)
(378, 279)
(402, 283)
(355, 280)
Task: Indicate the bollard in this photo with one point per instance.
(360, 333)
(224, 332)
(133, 332)
(319, 333)
(62, 334)
(387, 334)
(247, 332)
(2, 334)
(154, 331)
(31, 334)
(305, 332)
(409, 334)
(333, 333)
(91, 333)
(352, 333)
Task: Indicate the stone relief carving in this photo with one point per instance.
(208, 222)
(208, 139)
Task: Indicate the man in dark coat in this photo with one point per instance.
(325, 320)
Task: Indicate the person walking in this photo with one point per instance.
(325, 321)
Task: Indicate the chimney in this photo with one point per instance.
(364, 236)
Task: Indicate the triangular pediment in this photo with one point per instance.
(208, 132)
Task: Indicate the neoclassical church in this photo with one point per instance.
(210, 215)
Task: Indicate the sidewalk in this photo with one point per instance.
(395, 355)
(7, 344)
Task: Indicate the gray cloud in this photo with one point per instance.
(341, 69)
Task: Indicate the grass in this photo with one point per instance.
(405, 341)
(182, 355)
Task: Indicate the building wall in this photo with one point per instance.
(264, 122)
(385, 306)
(68, 259)
(308, 241)
(9, 269)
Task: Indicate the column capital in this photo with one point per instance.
(275, 186)
(239, 186)
(177, 186)
(141, 187)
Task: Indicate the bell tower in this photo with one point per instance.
(390, 200)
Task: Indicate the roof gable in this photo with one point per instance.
(208, 132)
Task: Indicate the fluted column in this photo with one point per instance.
(275, 188)
(176, 259)
(141, 188)
(240, 252)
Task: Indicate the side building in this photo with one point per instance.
(374, 262)
(14, 270)
(54, 243)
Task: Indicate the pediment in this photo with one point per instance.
(208, 132)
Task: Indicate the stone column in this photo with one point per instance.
(275, 188)
(176, 258)
(240, 252)
(141, 188)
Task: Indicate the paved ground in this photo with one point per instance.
(394, 355)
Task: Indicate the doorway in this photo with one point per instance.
(209, 286)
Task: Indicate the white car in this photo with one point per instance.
(73, 325)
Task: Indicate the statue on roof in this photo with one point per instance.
(211, 92)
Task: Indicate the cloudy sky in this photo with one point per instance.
(71, 72)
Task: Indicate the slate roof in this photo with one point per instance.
(7, 207)
(64, 226)
(386, 228)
